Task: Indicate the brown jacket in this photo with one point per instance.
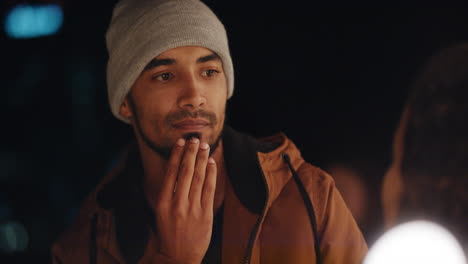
(265, 219)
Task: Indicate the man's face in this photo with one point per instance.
(181, 93)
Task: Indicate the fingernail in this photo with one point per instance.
(204, 146)
(180, 142)
(194, 140)
(211, 160)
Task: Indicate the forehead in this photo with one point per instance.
(186, 53)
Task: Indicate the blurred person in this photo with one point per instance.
(354, 190)
(356, 178)
(192, 189)
(428, 177)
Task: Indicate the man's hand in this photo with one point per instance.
(184, 209)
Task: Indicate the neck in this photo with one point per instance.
(155, 166)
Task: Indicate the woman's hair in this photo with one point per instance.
(435, 151)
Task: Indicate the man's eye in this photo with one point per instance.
(163, 76)
(210, 73)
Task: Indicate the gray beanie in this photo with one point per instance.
(140, 30)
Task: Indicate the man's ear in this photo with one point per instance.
(125, 109)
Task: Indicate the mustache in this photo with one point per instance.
(183, 114)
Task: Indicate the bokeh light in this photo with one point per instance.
(416, 242)
(13, 237)
(32, 21)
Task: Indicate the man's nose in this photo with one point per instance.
(191, 96)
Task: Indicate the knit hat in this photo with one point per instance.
(140, 30)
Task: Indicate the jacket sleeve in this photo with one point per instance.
(73, 246)
(152, 256)
(61, 256)
(157, 258)
(64, 255)
(341, 240)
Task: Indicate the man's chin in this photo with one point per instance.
(165, 150)
(189, 135)
(208, 136)
(212, 140)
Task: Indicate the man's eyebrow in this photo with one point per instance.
(211, 57)
(158, 62)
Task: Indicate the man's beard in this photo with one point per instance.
(165, 151)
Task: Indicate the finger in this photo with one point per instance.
(170, 178)
(199, 174)
(186, 168)
(209, 186)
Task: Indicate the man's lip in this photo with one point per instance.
(191, 123)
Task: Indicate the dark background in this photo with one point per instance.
(333, 78)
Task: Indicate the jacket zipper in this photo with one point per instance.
(248, 254)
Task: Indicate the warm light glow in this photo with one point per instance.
(416, 242)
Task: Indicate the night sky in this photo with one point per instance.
(332, 78)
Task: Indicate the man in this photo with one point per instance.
(193, 190)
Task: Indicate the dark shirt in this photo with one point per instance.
(213, 254)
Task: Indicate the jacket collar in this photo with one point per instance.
(252, 166)
(243, 168)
